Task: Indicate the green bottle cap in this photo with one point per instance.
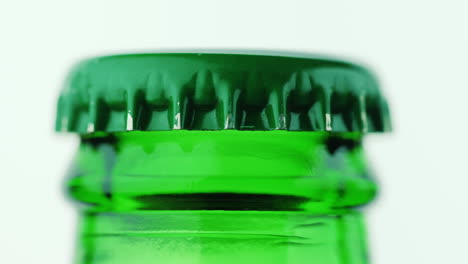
(208, 91)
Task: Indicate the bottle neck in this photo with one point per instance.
(210, 197)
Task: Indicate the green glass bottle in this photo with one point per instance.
(221, 158)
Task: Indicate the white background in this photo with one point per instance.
(418, 48)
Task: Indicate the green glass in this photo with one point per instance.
(228, 196)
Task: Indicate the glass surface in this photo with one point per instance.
(221, 197)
